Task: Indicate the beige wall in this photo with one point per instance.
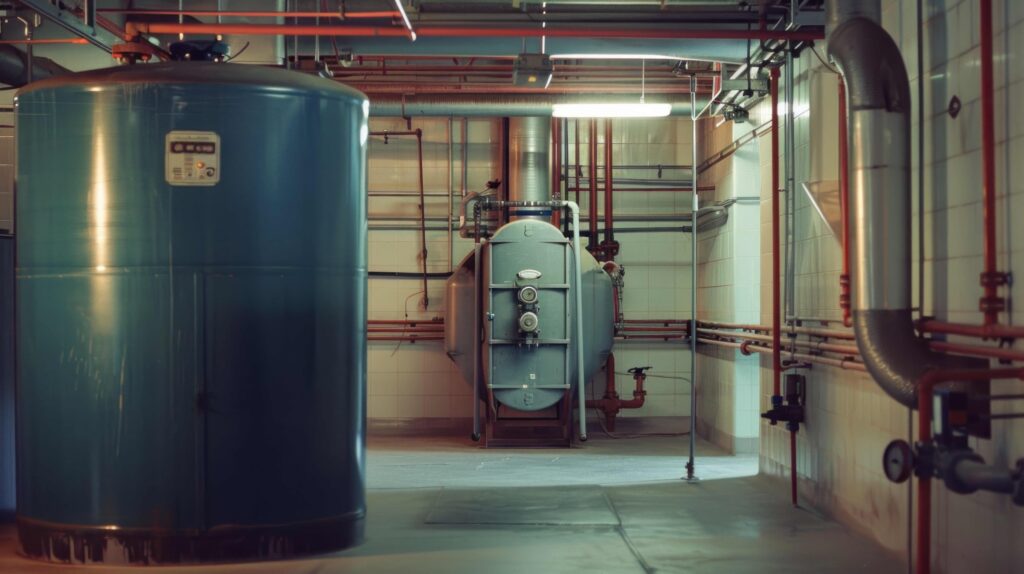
(418, 381)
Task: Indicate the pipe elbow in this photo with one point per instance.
(896, 357)
(871, 65)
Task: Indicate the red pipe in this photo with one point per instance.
(251, 14)
(578, 171)
(991, 279)
(609, 249)
(610, 404)
(556, 169)
(977, 351)
(776, 257)
(467, 32)
(994, 331)
(592, 202)
(924, 432)
(844, 205)
(46, 41)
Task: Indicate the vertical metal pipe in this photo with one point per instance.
(577, 162)
(580, 377)
(556, 169)
(694, 209)
(89, 13)
(776, 263)
(423, 218)
(790, 166)
(792, 467)
(465, 155)
(477, 313)
(844, 206)
(609, 236)
(451, 190)
(592, 240)
(991, 279)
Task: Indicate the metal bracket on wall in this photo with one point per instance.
(68, 20)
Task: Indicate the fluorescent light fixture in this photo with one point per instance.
(611, 110)
(617, 57)
(405, 18)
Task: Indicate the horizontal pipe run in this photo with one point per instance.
(801, 357)
(466, 32)
(977, 351)
(994, 331)
(822, 346)
(825, 333)
(252, 14)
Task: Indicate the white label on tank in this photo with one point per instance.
(192, 158)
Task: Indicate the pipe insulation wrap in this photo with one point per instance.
(878, 101)
(529, 157)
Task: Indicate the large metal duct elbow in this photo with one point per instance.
(878, 96)
(14, 67)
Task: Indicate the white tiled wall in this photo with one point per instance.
(849, 420)
(418, 380)
(729, 280)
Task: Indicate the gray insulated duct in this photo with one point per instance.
(14, 67)
(878, 103)
(529, 164)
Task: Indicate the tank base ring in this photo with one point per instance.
(78, 544)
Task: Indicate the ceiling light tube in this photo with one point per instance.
(405, 19)
(611, 110)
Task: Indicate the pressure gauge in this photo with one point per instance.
(898, 461)
(528, 322)
(528, 295)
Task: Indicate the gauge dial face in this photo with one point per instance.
(528, 295)
(898, 461)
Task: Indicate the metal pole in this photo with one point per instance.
(790, 252)
(451, 191)
(578, 248)
(695, 208)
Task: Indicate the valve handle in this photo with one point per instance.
(638, 370)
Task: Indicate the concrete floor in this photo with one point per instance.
(437, 504)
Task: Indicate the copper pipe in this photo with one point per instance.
(46, 41)
(811, 345)
(467, 32)
(977, 351)
(745, 348)
(844, 205)
(994, 331)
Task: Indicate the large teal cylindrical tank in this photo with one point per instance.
(191, 296)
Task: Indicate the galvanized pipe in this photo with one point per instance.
(529, 170)
(695, 209)
(878, 95)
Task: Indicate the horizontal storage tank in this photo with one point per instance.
(191, 296)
